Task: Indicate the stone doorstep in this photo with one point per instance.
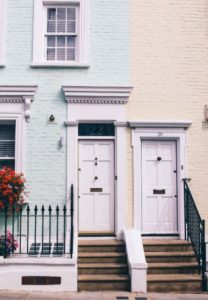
(18, 295)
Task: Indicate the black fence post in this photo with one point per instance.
(5, 231)
(49, 228)
(64, 216)
(203, 254)
(20, 245)
(42, 233)
(35, 229)
(13, 209)
(57, 228)
(72, 220)
(28, 227)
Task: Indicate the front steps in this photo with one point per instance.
(102, 266)
(172, 266)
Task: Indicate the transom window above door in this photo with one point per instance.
(61, 35)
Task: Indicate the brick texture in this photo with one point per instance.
(169, 45)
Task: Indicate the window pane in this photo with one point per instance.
(71, 13)
(70, 54)
(61, 26)
(51, 13)
(7, 132)
(71, 41)
(61, 41)
(51, 54)
(61, 13)
(7, 149)
(71, 26)
(7, 163)
(51, 26)
(61, 54)
(51, 41)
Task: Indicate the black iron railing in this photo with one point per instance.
(44, 231)
(195, 229)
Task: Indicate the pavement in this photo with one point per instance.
(8, 295)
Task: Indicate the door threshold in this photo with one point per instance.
(160, 235)
(96, 234)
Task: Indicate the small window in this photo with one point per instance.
(7, 146)
(61, 34)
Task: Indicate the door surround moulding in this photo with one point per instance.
(97, 94)
(163, 130)
(98, 104)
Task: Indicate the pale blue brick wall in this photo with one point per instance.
(45, 163)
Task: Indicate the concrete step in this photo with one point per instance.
(163, 245)
(103, 282)
(101, 246)
(179, 283)
(174, 256)
(99, 268)
(173, 268)
(102, 257)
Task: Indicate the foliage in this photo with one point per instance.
(12, 188)
(10, 243)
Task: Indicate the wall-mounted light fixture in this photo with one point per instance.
(52, 118)
(61, 142)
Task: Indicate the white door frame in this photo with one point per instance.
(154, 130)
(174, 187)
(120, 171)
(92, 139)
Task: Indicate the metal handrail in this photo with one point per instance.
(195, 229)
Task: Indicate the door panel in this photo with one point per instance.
(96, 186)
(159, 201)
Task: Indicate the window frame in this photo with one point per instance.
(3, 123)
(2, 32)
(19, 138)
(40, 22)
(56, 34)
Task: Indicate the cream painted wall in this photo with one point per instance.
(169, 73)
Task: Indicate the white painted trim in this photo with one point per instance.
(136, 260)
(160, 124)
(59, 64)
(97, 94)
(14, 272)
(102, 113)
(18, 95)
(18, 90)
(2, 32)
(120, 167)
(177, 134)
(38, 34)
(120, 183)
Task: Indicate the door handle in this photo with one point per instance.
(96, 178)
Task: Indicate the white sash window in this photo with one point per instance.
(7, 145)
(60, 36)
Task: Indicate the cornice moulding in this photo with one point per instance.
(160, 124)
(18, 94)
(97, 94)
